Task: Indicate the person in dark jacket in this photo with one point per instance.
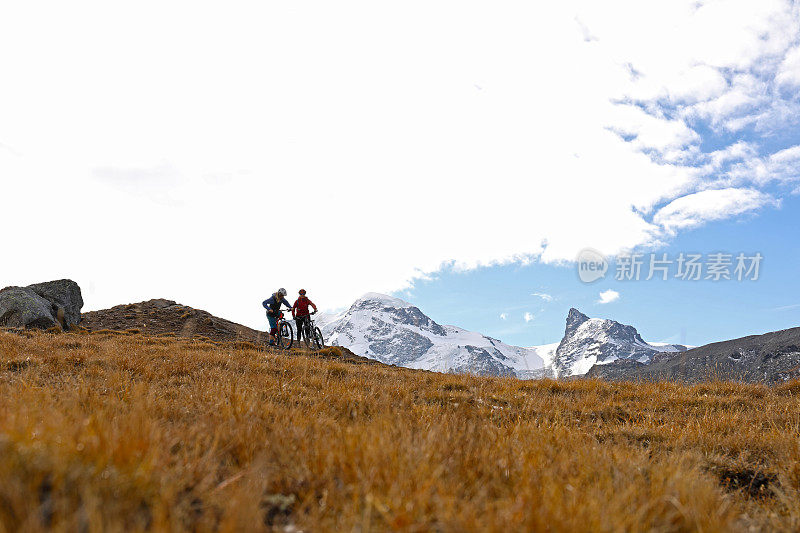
(273, 307)
(300, 314)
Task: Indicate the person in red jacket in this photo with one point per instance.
(301, 315)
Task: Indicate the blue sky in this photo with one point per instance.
(693, 312)
(526, 304)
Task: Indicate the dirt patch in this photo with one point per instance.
(18, 366)
(753, 482)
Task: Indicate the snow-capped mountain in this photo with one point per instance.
(589, 341)
(395, 332)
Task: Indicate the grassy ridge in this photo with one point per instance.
(111, 432)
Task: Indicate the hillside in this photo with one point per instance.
(166, 318)
(109, 431)
(769, 358)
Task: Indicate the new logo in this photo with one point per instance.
(592, 265)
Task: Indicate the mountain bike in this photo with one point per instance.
(312, 334)
(285, 333)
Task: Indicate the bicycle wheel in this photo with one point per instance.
(319, 342)
(285, 335)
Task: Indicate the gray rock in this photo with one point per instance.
(161, 303)
(396, 347)
(483, 363)
(42, 305)
(22, 308)
(64, 294)
(574, 319)
(411, 316)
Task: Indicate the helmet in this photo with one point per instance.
(282, 291)
(302, 292)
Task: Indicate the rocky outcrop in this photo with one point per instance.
(20, 307)
(62, 294)
(43, 305)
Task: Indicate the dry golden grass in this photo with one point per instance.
(125, 432)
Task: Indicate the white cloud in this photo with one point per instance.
(606, 297)
(742, 100)
(789, 73)
(786, 307)
(697, 83)
(782, 167)
(381, 136)
(651, 131)
(695, 209)
(503, 316)
(737, 151)
(528, 317)
(544, 296)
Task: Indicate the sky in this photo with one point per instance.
(458, 154)
(673, 311)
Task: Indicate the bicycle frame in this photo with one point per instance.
(308, 326)
(309, 329)
(284, 326)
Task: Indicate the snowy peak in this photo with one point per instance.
(399, 311)
(574, 319)
(588, 341)
(397, 332)
(375, 299)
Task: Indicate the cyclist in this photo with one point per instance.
(273, 307)
(300, 314)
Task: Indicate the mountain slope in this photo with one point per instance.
(395, 332)
(769, 358)
(596, 341)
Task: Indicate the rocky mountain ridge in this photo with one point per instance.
(596, 341)
(769, 358)
(395, 332)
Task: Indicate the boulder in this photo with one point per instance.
(62, 294)
(42, 305)
(22, 308)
